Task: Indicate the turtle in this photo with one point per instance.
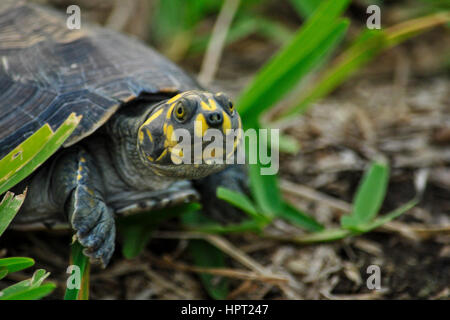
(121, 158)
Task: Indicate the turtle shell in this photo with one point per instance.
(48, 71)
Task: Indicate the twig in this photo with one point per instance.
(314, 195)
(216, 44)
(415, 232)
(225, 272)
(167, 284)
(120, 14)
(218, 242)
(223, 245)
(245, 287)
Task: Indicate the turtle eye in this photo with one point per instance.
(225, 102)
(231, 106)
(180, 111)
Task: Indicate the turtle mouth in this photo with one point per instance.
(187, 171)
(175, 161)
(201, 153)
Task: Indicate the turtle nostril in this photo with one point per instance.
(214, 119)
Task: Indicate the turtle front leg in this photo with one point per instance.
(78, 183)
(235, 178)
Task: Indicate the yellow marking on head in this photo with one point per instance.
(226, 125)
(153, 117)
(207, 107)
(169, 112)
(169, 135)
(212, 104)
(200, 125)
(79, 176)
(141, 136)
(83, 159)
(173, 99)
(150, 158)
(237, 140)
(165, 127)
(162, 155)
(149, 134)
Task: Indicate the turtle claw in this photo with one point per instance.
(99, 243)
(94, 224)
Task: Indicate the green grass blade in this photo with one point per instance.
(379, 221)
(364, 49)
(3, 272)
(307, 49)
(31, 153)
(288, 144)
(84, 291)
(9, 206)
(34, 293)
(135, 239)
(272, 30)
(38, 277)
(18, 287)
(265, 191)
(238, 200)
(25, 290)
(276, 86)
(79, 259)
(14, 264)
(299, 218)
(410, 28)
(369, 197)
(198, 221)
(326, 235)
(305, 8)
(206, 255)
(23, 153)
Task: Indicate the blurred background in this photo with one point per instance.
(363, 100)
(181, 30)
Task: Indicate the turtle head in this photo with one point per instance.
(190, 135)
